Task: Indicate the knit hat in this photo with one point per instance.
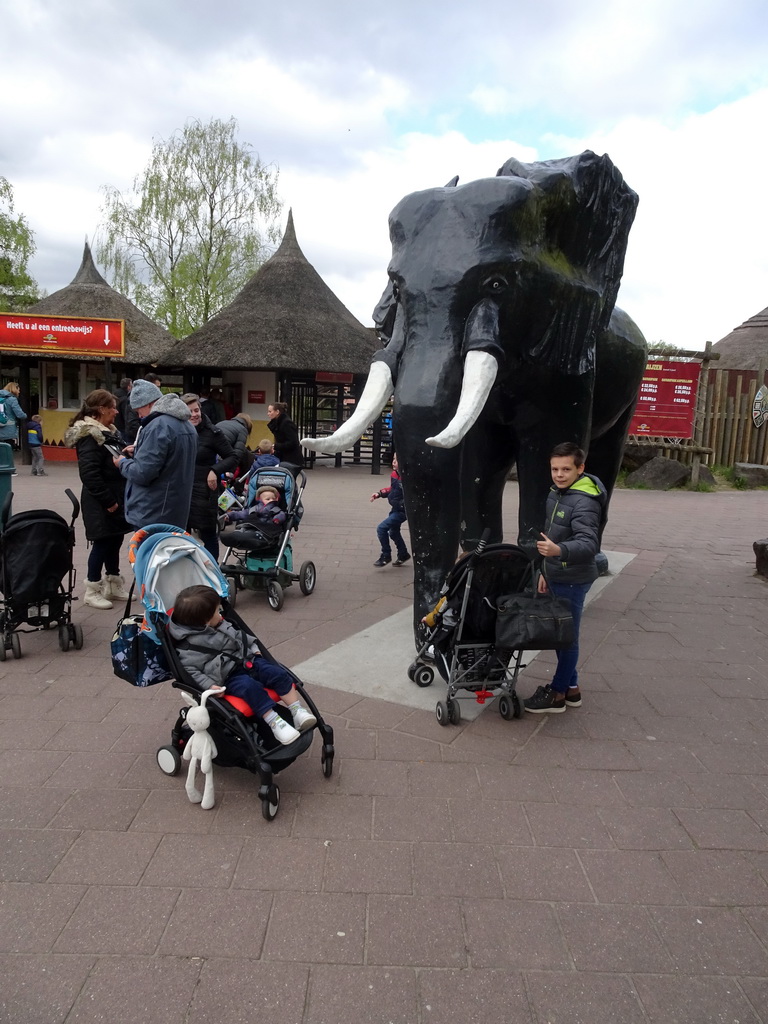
(266, 487)
(144, 392)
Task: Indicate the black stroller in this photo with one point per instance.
(35, 559)
(165, 561)
(462, 643)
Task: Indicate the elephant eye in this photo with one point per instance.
(395, 292)
(495, 284)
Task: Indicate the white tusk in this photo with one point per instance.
(480, 369)
(375, 396)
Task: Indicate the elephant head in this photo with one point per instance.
(498, 293)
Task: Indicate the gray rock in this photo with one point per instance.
(755, 474)
(760, 547)
(636, 455)
(659, 474)
(706, 476)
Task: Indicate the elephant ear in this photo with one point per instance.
(585, 211)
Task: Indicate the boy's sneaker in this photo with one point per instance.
(381, 560)
(545, 701)
(402, 559)
(283, 732)
(573, 697)
(303, 719)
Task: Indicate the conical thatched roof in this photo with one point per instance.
(285, 318)
(746, 347)
(90, 295)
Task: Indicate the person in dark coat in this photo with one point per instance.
(103, 496)
(237, 431)
(286, 434)
(159, 467)
(215, 455)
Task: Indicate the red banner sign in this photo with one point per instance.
(667, 403)
(257, 397)
(49, 336)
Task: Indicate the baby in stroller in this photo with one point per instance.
(216, 653)
(266, 513)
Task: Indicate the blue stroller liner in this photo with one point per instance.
(166, 560)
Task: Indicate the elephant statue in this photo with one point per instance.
(501, 341)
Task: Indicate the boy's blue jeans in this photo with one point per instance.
(390, 527)
(565, 673)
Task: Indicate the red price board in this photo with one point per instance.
(48, 336)
(666, 405)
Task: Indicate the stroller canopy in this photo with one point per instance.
(165, 560)
(35, 555)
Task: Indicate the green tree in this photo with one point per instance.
(18, 290)
(194, 226)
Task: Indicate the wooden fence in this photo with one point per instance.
(724, 433)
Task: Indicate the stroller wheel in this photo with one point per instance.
(64, 638)
(15, 645)
(233, 589)
(270, 805)
(454, 712)
(441, 712)
(307, 578)
(327, 762)
(76, 632)
(506, 708)
(169, 760)
(275, 596)
(423, 676)
(2, 649)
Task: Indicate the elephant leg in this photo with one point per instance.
(607, 451)
(432, 502)
(487, 456)
(567, 417)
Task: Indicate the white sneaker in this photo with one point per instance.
(303, 719)
(282, 731)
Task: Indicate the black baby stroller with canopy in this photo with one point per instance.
(260, 557)
(165, 561)
(461, 644)
(36, 575)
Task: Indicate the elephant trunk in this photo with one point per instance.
(375, 396)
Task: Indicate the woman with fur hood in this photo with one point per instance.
(103, 495)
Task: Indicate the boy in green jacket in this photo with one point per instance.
(575, 513)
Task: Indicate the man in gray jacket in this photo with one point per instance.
(161, 470)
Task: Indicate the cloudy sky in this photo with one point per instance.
(360, 103)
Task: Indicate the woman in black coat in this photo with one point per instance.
(215, 455)
(287, 447)
(103, 496)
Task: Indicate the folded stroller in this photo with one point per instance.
(165, 561)
(258, 557)
(35, 561)
(462, 643)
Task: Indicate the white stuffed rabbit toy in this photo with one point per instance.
(200, 749)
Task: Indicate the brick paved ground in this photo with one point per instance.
(606, 865)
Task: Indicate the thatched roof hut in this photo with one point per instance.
(90, 295)
(285, 318)
(746, 347)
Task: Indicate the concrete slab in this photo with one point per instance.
(374, 662)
